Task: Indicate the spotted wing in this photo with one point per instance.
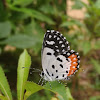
(58, 61)
(74, 58)
(62, 66)
(55, 41)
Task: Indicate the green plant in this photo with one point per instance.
(30, 87)
(4, 87)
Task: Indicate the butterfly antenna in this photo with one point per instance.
(39, 80)
(35, 71)
(33, 68)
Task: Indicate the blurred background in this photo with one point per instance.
(23, 24)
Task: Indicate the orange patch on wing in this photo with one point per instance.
(74, 64)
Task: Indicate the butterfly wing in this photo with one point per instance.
(56, 56)
(55, 41)
(74, 58)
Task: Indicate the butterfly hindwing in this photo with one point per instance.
(74, 57)
(57, 67)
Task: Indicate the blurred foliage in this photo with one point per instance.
(23, 24)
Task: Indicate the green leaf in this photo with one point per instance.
(22, 73)
(57, 88)
(96, 65)
(3, 97)
(69, 94)
(31, 88)
(18, 16)
(22, 2)
(21, 41)
(34, 13)
(49, 9)
(4, 86)
(34, 29)
(71, 23)
(5, 29)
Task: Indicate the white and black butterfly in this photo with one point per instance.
(58, 61)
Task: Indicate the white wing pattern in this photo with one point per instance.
(58, 61)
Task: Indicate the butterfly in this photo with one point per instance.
(58, 61)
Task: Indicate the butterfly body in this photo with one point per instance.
(58, 61)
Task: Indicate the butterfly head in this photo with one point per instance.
(42, 74)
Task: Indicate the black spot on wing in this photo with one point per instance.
(66, 71)
(52, 75)
(67, 59)
(61, 65)
(47, 72)
(53, 66)
(56, 76)
(48, 53)
(63, 75)
(56, 70)
(59, 59)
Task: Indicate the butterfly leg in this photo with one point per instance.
(65, 84)
(39, 80)
(45, 82)
(50, 85)
(59, 82)
(42, 82)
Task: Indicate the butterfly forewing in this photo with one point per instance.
(56, 41)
